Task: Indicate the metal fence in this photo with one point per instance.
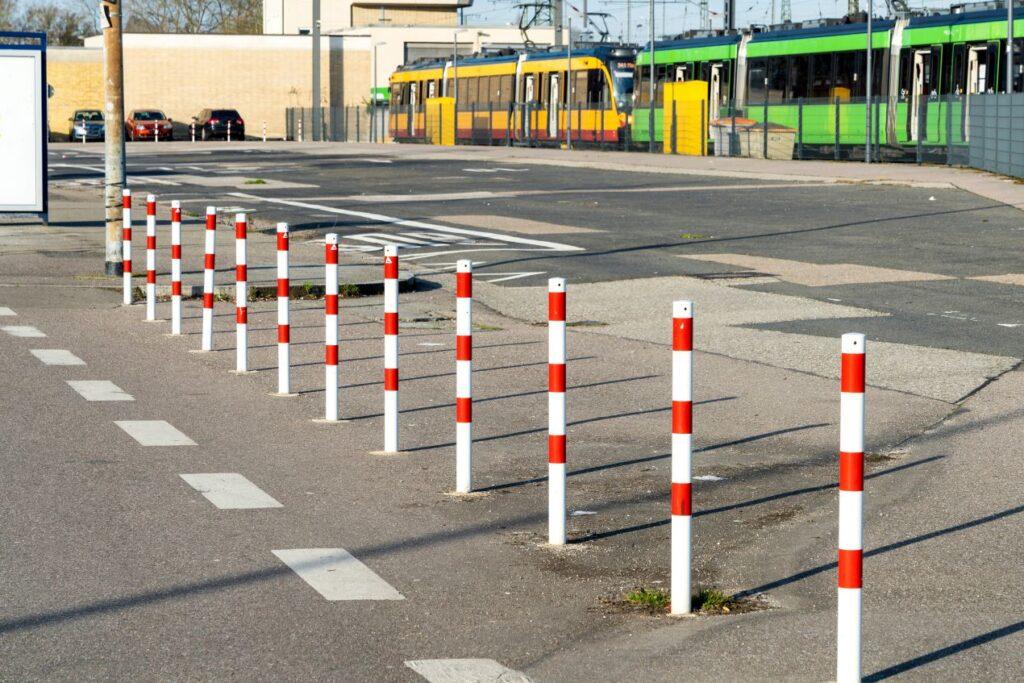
(340, 124)
(997, 133)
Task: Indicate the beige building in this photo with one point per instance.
(263, 75)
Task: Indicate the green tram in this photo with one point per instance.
(922, 68)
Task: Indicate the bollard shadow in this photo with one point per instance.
(756, 501)
(944, 652)
(507, 396)
(452, 374)
(574, 423)
(897, 545)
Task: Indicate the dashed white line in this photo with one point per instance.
(22, 331)
(4, 311)
(57, 357)
(230, 491)
(99, 390)
(465, 671)
(154, 433)
(335, 574)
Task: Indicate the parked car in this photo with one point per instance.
(86, 124)
(213, 123)
(143, 124)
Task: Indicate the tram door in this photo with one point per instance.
(922, 63)
(528, 101)
(715, 94)
(978, 77)
(413, 100)
(553, 101)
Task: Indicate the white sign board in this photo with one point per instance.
(22, 131)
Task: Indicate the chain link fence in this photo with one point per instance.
(340, 124)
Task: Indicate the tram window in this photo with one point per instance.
(821, 76)
(1018, 64)
(642, 88)
(776, 71)
(756, 92)
(597, 90)
(850, 73)
(798, 66)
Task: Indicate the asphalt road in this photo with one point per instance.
(167, 518)
(927, 251)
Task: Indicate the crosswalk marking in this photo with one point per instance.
(154, 433)
(465, 671)
(99, 390)
(230, 491)
(57, 357)
(22, 331)
(336, 575)
(4, 311)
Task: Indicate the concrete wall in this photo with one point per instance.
(290, 16)
(76, 74)
(402, 16)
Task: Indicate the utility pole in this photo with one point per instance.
(318, 126)
(556, 20)
(113, 95)
(730, 15)
(650, 109)
(629, 22)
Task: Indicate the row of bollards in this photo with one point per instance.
(852, 386)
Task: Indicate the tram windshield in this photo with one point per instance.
(622, 82)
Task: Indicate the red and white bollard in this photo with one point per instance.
(209, 266)
(556, 411)
(241, 294)
(682, 448)
(151, 257)
(390, 348)
(464, 376)
(176, 267)
(284, 332)
(851, 507)
(126, 243)
(229, 131)
(331, 328)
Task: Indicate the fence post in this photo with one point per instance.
(800, 128)
(922, 102)
(703, 133)
(357, 125)
(490, 122)
(949, 129)
(674, 145)
(764, 127)
(835, 152)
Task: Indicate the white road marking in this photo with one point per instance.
(99, 390)
(4, 311)
(22, 331)
(505, 277)
(708, 477)
(335, 574)
(430, 344)
(1009, 324)
(154, 433)
(79, 166)
(465, 671)
(230, 491)
(57, 357)
(553, 246)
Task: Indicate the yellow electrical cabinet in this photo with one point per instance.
(440, 113)
(685, 115)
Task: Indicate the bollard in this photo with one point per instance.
(241, 284)
(464, 376)
(851, 508)
(300, 130)
(126, 243)
(682, 447)
(556, 411)
(229, 130)
(390, 348)
(151, 257)
(209, 263)
(264, 131)
(283, 328)
(331, 328)
(156, 132)
(192, 130)
(176, 267)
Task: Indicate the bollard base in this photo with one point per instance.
(156, 320)
(387, 453)
(320, 420)
(280, 395)
(242, 372)
(199, 351)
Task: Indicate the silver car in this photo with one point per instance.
(86, 124)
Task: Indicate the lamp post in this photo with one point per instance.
(317, 113)
(867, 89)
(650, 109)
(1009, 47)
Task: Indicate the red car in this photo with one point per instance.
(147, 124)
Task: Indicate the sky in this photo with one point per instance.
(672, 17)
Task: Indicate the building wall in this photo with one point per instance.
(403, 16)
(76, 74)
(288, 17)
